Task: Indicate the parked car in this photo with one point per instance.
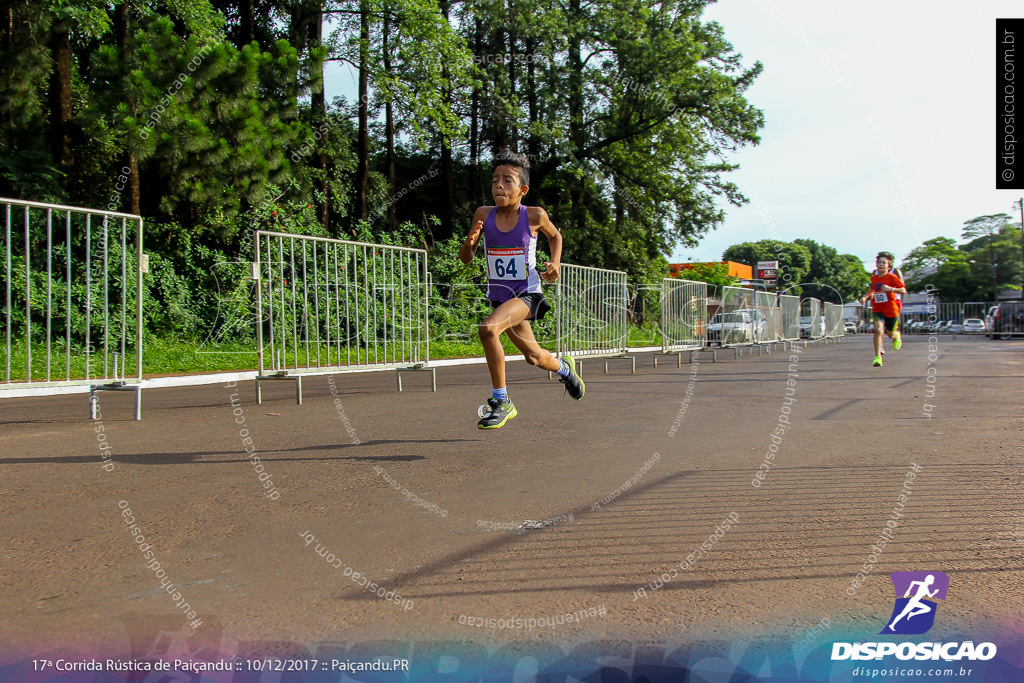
(1007, 320)
(805, 327)
(850, 327)
(758, 322)
(730, 328)
(955, 327)
(865, 327)
(974, 325)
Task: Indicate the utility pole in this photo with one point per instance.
(1019, 204)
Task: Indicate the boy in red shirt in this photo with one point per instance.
(885, 304)
(899, 297)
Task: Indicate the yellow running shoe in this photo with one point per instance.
(573, 383)
(498, 413)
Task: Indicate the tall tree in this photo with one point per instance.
(363, 139)
(833, 277)
(26, 165)
(650, 97)
(208, 117)
(306, 36)
(122, 31)
(983, 230)
(932, 255)
(794, 260)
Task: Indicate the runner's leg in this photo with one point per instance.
(522, 336)
(507, 315)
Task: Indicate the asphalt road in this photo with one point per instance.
(614, 492)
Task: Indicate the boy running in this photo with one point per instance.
(899, 297)
(510, 232)
(885, 286)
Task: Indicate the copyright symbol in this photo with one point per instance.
(1007, 174)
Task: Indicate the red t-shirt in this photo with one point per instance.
(885, 303)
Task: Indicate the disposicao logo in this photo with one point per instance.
(913, 613)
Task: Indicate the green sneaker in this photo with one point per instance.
(573, 383)
(897, 342)
(877, 362)
(498, 413)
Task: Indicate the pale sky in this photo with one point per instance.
(879, 122)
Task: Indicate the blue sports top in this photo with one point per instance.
(511, 258)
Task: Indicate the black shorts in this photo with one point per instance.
(537, 302)
(887, 322)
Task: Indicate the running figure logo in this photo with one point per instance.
(912, 613)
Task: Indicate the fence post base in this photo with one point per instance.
(279, 375)
(423, 368)
(629, 358)
(115, 386)
(677, 354)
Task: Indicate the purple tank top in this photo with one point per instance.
(511, 258)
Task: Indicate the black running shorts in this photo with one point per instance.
(889, 323)
(537, 302)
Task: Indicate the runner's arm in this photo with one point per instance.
(544, 224)
(468, 249)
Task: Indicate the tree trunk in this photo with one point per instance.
(532, 143)
(363, 140)
(8, 42)
(389, 128)
(122, 30)
(246, 21)
(318, 104)
(60, 103)
(474, 126)
(620, 213)
(576, 132)
(513, 131)
(1022, 242)
(447, 167)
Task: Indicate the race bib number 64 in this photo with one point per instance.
(506, 263)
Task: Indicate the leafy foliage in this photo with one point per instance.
(988, 262)
(210, 113)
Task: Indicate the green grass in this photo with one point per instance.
(648, 334)
(174, 357)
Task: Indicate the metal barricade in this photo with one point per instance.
(789, 317)
(72, 300)
(950, 317)
(978, 310)
(325, 305)
(833, 320)
(733, 325)
(766, 318)
(816, 318)
(645, 314)
(684, 317)
(591, 306)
